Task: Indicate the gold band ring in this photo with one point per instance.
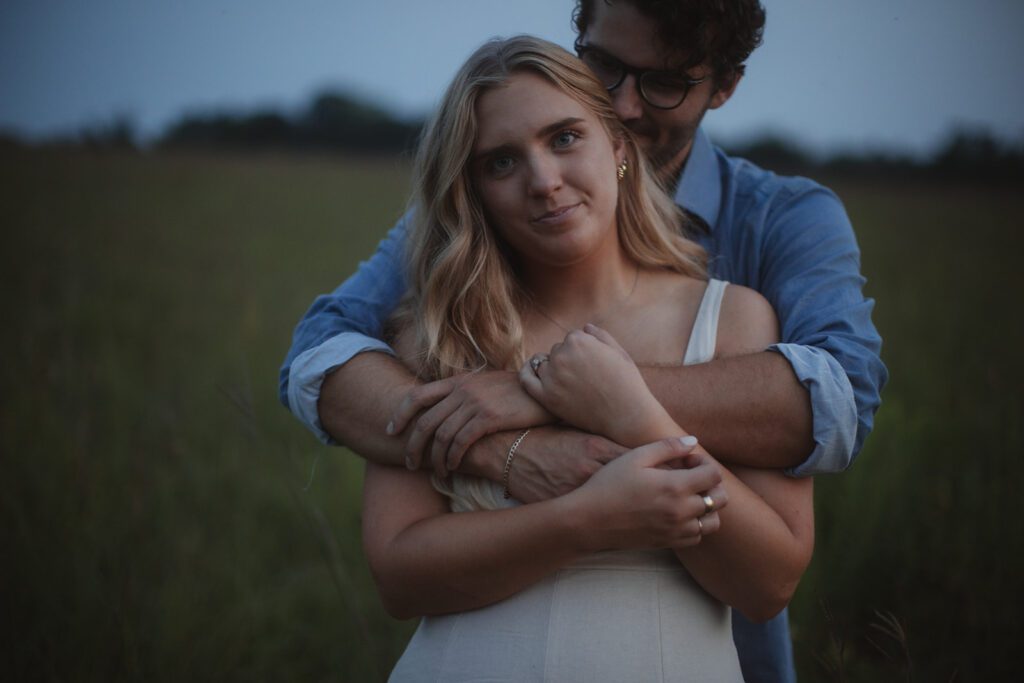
(709, 504)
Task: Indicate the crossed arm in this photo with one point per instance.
(427, 561)
(730, 403)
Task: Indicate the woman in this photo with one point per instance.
(536, 215)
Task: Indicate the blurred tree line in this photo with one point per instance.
(967, 154)
(332, 121)
(340, 122)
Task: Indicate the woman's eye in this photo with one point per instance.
(501, 164)
(566, 138)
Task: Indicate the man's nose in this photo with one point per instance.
(626, 99)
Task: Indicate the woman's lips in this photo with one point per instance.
(556, 216)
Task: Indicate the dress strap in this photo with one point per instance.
(704, 336)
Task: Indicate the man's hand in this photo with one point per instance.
(454, 413)
(551, 461)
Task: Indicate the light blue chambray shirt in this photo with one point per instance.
(788, 238)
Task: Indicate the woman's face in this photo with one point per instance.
(545, 171)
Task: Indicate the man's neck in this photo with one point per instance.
(669, 178)
(671, 173)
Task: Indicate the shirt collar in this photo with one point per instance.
(700, 187)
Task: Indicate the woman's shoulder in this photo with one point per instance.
(656, 325)
(746, 323)
(674, 288)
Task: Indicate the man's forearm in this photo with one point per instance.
(748, 410)
(358, 399)
(551, 461)
(486, 457)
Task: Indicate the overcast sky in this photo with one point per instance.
(832, 73)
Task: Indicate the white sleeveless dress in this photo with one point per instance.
(614, 616)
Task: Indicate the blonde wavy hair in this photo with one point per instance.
(464, 304)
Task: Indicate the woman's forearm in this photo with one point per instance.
(764, 542)
(755, 560)
(463, 561)
(453, 562)
(429, 561)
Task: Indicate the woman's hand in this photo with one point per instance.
(653, 497)
(458, 411)
(591, 383)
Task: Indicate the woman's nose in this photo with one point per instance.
(545, 175)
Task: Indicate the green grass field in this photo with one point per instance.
(165, 519)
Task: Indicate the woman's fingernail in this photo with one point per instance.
(390, 429)
(688, 441)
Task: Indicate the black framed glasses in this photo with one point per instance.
(660, 89)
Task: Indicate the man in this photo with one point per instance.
(805, 405)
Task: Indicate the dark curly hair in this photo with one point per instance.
(720, 32)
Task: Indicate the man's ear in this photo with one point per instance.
(725, 91)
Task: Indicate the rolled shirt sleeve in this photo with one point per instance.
(311, 367)
(338, 326)
(832, 405)
(813, 280)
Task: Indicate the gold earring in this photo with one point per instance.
(622, 169)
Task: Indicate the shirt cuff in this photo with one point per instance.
(832, 405)
(309, 369)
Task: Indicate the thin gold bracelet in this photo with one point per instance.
(508, 462)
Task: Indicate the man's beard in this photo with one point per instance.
(667, 161)
(664, 158)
